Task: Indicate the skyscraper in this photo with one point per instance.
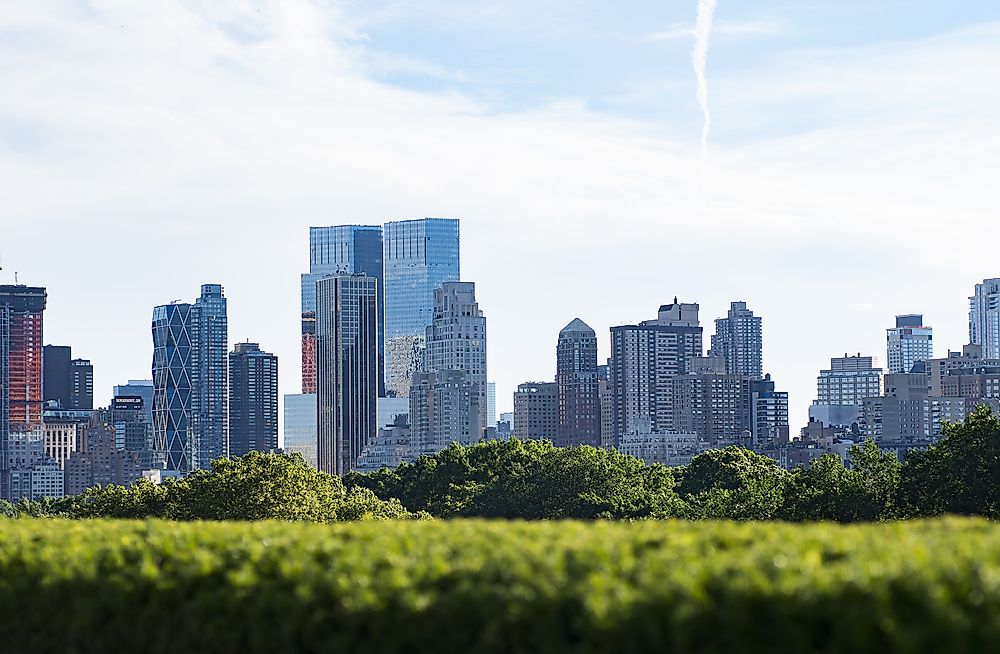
(456, 339)
(849, 381)
(21, 397)
(253, 400)
(57, 375)
(300, 426)
(191, 380)
(738, 341)
(81, 384)
(347, 370)
(419, 256)
(338, 250)
(984, 318)
(907, 343)
(644, 358)
(444, 409)
(576, 377)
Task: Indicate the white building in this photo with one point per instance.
(667, 448)
(738, 340)
(909, 342)
(984, 318)
(849, 381)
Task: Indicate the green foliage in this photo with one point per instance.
(827, 490)
(527, 479)
(733, 483)
(487, 587)
(256, 486)
(960, 474)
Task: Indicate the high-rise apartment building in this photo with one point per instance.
(419, 256)
(347, 369)
(768, 412)
(81, 384)
(444, 409)
(138, 388)
(644, 358)
(712, 405)
(984, 318)
(21, 354)
(908, 343)
(849, 381)
(337, 250)
(738, 341)
(577, 382)
(907, 413)
(191, 380)
(536, 410)
(253, 400)
(456, 340)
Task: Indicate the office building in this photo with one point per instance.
(419, 256)
(21, 375)
(347, 369)
(337, 250)
(456, 340)
(984, 318)
(191, 380)
(300, 426)
(738, 341)
(253, 400)
(444, 409)
(908, 343)
(644, 358)
(536, 411)
(578, 388)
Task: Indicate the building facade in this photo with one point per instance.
(347, 370)
(300, 426)
(456, 340)
(907, 414)
(444, 409)
(984, 318)
(21, 373)
(578, 388)
(336, 250)
(253, 400)
(191, 380)
(908, 343)
(738, 341)
(536, 411)
(849, 380)
(644, 358)
(419, 256)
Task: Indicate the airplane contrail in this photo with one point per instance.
(702, 31)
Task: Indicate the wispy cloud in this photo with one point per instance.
(753, 28)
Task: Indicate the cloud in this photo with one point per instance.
(152, 148)
(751, 28)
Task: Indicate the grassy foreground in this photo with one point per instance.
(484, 587)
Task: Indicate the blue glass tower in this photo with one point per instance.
(338, 250)
(191, 380)
(419, 256)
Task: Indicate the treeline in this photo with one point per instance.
(533, 480)
(257, 486)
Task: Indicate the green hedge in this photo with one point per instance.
(484, 587)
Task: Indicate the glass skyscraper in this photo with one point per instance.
(191, 380)
(419, 256)
(337, 250)
(347, 369)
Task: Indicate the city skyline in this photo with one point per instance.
(579, 180)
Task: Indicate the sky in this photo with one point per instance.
(851, 174)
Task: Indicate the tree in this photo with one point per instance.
(733, 483)
(960, 474)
